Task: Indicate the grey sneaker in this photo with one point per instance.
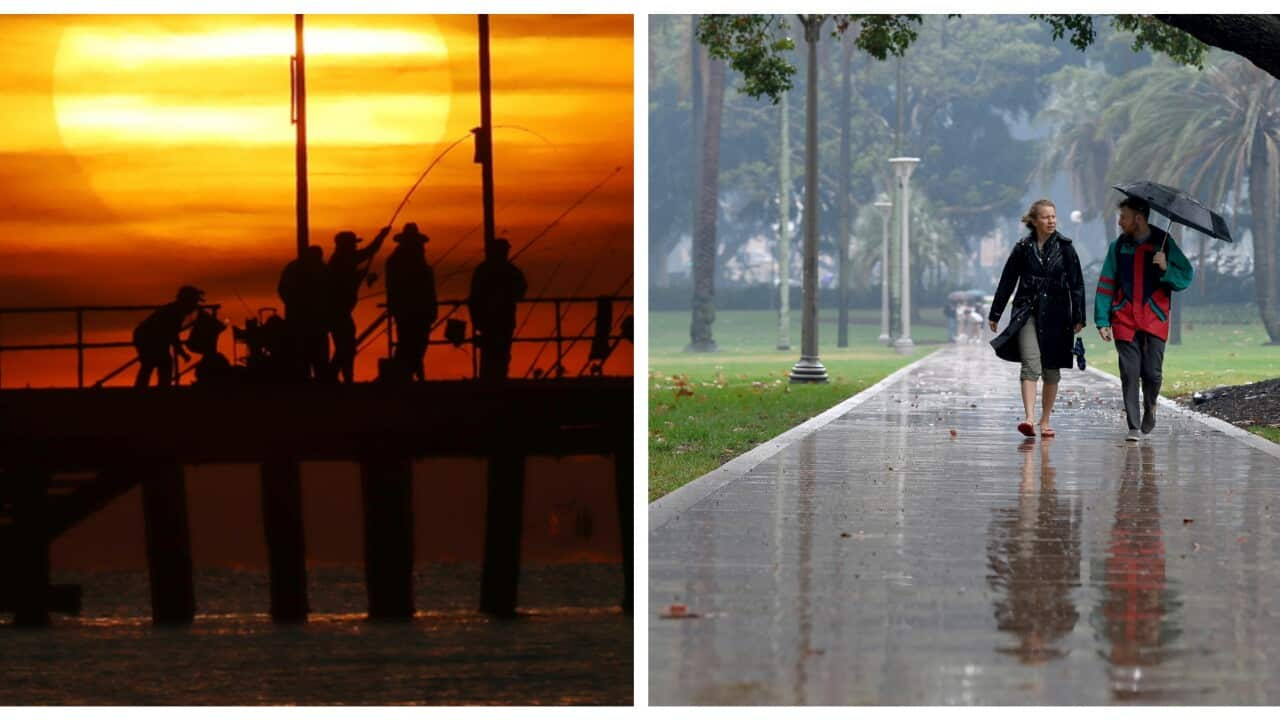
(1132, 437)
(1148, 420)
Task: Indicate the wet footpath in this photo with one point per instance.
(911, 548)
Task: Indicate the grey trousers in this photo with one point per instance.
(1140, 360)
(1029, 348)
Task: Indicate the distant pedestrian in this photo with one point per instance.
(348, 268)
(496, 286)
(1048, 310)
(1143, 268)
(411, 301)
(158, 337)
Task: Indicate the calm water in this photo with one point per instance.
(572, 646)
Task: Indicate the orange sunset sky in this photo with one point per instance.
(142, 153)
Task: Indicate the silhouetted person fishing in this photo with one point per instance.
(213, 367)
(496, 286)
(160, 332)
(411, 301)
(348, 268)
(304, 290)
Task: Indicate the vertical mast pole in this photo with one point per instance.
(300, 122)
(484, 140)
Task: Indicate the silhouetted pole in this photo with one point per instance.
(300, 122)
(29, 555)
(168, 532)
(623, 483)
(885, 207)
(484, 135)
(386, 484)
(286, 549)
(808, 369)
(902, 167)
(503, 523)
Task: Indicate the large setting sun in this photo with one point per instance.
(157, 85)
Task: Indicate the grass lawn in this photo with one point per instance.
(707, 408)
(1270, 433)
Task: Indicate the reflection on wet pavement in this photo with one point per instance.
(1033, 551)
(882, 560)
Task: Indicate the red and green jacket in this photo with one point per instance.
(1133, 292)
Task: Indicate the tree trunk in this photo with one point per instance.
(704, 234)
(842, 240)
(1262, 203)
(784, 231)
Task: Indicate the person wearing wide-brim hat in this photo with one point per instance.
(160, 332)
(347, 271)
(411, 301)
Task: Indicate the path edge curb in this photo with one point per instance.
(1222, 426)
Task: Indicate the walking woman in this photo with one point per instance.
(1048, 310)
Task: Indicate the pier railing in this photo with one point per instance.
(606, 329)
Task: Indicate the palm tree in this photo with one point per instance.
(1215, 133)
(1084, 135)
(706, 191)
(934, 250)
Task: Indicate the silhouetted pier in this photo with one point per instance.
(67, 453)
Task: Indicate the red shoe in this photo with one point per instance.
(1027, 429)
(1047, 432)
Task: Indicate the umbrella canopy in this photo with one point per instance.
(1179, 207)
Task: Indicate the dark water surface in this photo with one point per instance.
(572, 645)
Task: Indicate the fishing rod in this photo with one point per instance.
(405, 200)
(541, 234)
(574, 342)
(604, 249)
(571, 208)
(412, 189)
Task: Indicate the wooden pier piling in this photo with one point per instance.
(168, 531)
(387, 487)
(504, 521)
(286, 546)
(623, 481)
(30, 596)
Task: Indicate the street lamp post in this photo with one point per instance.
(808, 369)
(885, 207)
(902, 167)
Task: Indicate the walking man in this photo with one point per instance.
(496, 286)
(411, 301)
(1144, 267)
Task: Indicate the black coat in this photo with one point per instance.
(1052, 288)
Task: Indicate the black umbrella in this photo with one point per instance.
(1179, 207)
